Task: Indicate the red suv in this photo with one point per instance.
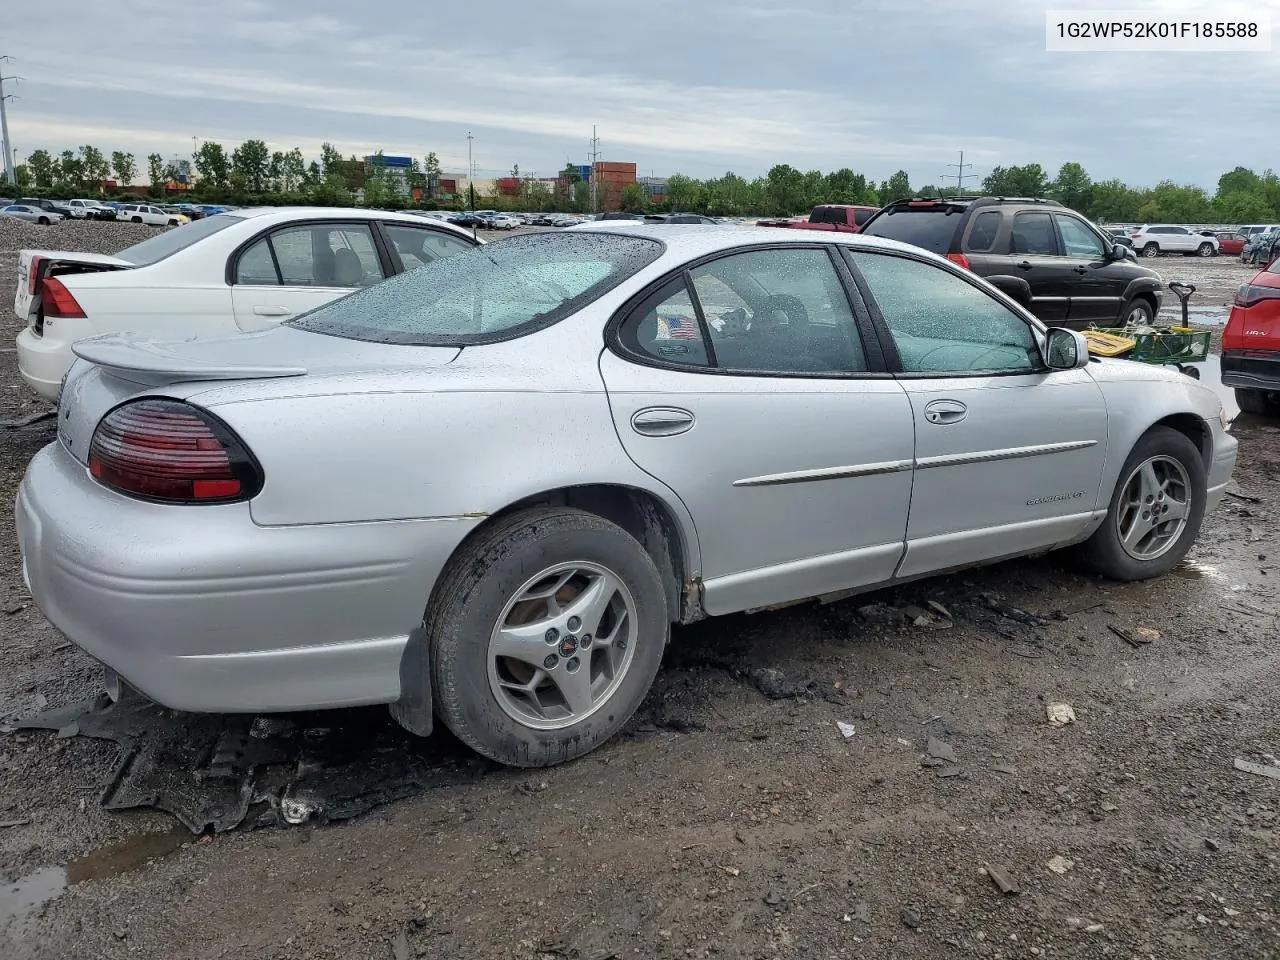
(1251, 343)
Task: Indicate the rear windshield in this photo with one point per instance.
(174, 239)
(495, 292)
(933, 228)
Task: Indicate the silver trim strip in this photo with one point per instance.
(1012, 453)
(1050, 299)
(1096, 299)
(826, 473)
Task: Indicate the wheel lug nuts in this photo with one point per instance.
(585, 641)
(573, 624)
(550, 661)
(552, 635)
(572, 665)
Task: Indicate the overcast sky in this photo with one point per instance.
(690, 86)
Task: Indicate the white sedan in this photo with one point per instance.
(245, 270)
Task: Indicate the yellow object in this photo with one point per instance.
(1108, 344)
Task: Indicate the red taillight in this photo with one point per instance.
(57, 300)
(959, 258)
(33, 281)
(170, 451)
(1251, 293)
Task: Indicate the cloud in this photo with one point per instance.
(695, 86)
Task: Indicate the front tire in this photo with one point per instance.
(1155, 512)
(173, 223)
(44, 221)
(544, 636)
(1257, 402)
(1151, 250)
(1138, 312)
(137, 220)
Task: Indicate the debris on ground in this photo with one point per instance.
(1260, 769)
(11, 608)
(1060, 714)
(846, 729)
(941, 750)
(1137, 637)
(1000, 877)
(910, 918)
(1060, 865)
(6, 824)
(29, 419)
(400, 946)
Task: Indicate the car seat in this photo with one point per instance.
(347, 269)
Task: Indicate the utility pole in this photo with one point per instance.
(960, 174)
(10, 160)
(595, 173)
(471, 173)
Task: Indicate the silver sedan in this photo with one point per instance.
(483, 491)
(21, 211)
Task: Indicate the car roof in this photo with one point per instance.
(696, 239)
(287, 214)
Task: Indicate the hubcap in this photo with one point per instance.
(1154, 507)
(562, 645)
(1137, 317)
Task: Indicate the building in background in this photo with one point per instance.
(655, 189)
(396, 170)
(610, 180)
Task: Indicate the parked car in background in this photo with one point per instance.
(1120, 236)
(1075, 274)
(501, 221)
(146, 213)
(1249, 229)
(435, 547)
(841, 218)
(1157, 238)
(1251, 343)
(233, 272)
(53, 206)
(79, 209)
(1257, 249)
(22, 211)
(1230, 242)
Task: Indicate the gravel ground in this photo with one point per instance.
(733, 818)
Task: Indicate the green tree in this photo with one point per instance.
(155, 172)
(1239, 180)
(94, 165)
(1179, 203)
(1025, 181)
(1072, 187)
(1111, 201)
(540, 195)
(313, 175)
(431, 170)
(43, 168)
(684, 193)
(634, 199)
(1244, 206)
(22, 175)
(213, 164)
(784, 191)
(124, 166)
(897, 187)
(252, 160)
(70, 173)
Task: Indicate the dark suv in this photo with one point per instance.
(1078, 275)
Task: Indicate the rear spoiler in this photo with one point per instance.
(155, 362)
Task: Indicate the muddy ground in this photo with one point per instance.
(734, 818)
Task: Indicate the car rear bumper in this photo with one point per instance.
(1251, 369)
(201, 609)
(42, 362)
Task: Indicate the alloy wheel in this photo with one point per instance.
(1155, 504)
(562, 645)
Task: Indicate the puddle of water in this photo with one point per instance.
(1194, 570)
(19, 899)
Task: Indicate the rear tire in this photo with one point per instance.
(1258, 402)
(1151, 250)
(1163, 474)
(1206, 250)
(504, 582)
(44, 221)
(136, 220)
(173, 223)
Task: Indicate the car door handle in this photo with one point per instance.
(945, 411)
(1080, 269)
(1024, 265)
(661, 421)
(272, 311)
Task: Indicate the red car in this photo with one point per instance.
(1231, 244)
(1251, 343)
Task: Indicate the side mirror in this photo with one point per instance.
(1065, 349)
(1014, 287)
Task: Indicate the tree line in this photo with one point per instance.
(253, 173)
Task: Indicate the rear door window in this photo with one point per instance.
(1033, 235)
(983, 232)
(933, 228)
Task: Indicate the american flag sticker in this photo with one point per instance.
(678, 328)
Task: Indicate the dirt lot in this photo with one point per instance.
(734, 818)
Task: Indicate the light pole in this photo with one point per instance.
(10, 160)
